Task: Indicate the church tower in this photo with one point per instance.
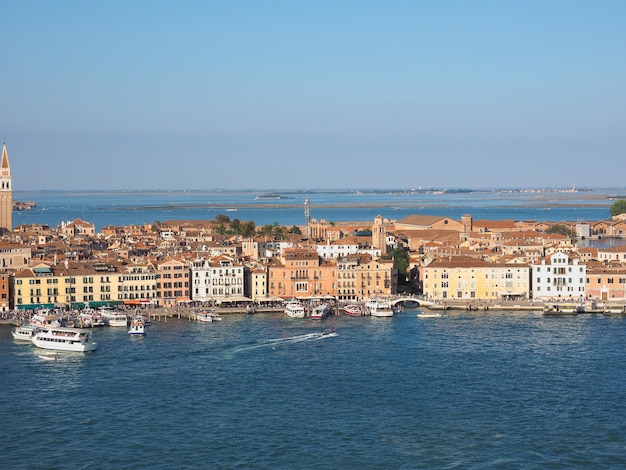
(6, 193)
(379, 234)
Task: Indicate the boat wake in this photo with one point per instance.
(273, 343)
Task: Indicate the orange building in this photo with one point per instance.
(300, 274)
(5, 296)
(172, 282)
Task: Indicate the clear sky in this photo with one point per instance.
(313, 94)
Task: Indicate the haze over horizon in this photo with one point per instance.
(297, 95)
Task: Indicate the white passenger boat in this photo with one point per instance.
(561, 308)
(24, 332)
(90, 318)
(205, 316)
(379, 308)
(64, 339)
(614, 309)
(137, 326)
(46, 319)
(320, 312)
(294, 309)
(113, 317)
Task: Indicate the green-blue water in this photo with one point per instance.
(468, 390)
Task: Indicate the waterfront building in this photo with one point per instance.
(219, 279)
(609, 228)
(42, 286)
(6, 193)
(93, 286)
(172, 282)
(348, 285)
(376, 277)
(606, 282)
(256, 283)
(300, 273)
(469, 279)
(5, 292)
(559, 276)
(137, 285)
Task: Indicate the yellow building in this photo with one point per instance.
(376, 278)
(137, 285)
(41, 286)
(464, 278)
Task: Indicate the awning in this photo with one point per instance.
(34, 306)
(234, 298)
(138, 302)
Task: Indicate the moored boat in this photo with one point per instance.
(379, 308)
(205, 316)
(294, 309)
(320, 312)
(616, 309)
(45, 319)
(353, 310)
(64, 339)
(113, 317)
(24, 332)
(562, 309)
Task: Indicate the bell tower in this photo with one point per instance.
(6, 193)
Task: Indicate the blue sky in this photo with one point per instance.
(316, 94)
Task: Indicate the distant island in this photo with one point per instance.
(23, 206)
(271, 196)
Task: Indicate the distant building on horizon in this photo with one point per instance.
(6, 193)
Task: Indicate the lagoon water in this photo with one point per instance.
(137, 207)
(471, 390)
(468, 390)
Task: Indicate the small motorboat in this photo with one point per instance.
(428, 315)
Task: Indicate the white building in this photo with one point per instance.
(559, 277)
(220, 279)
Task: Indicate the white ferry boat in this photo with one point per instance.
(320, 312)
(64, 339)
(24, 332)
(379, 308)
(113, 317)
(137, 326)
(46, 319)
(294, 309)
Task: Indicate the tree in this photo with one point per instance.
(295, 229)
(248, 229)
(235, 226)
(401, 261)
(562, 230)
(618, 207)
(222, 219)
